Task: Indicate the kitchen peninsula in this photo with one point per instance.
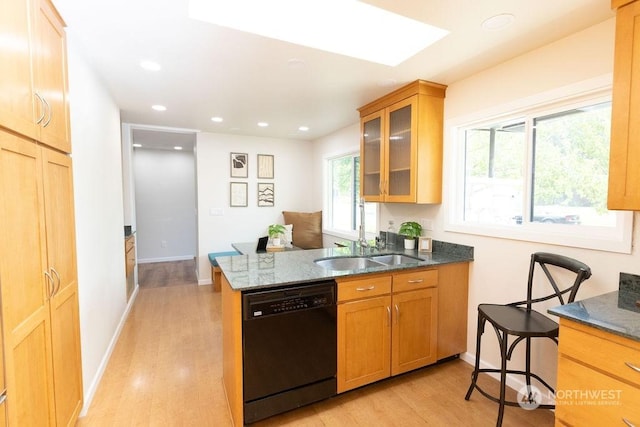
(400, 316)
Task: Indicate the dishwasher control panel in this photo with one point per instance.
(281, 301)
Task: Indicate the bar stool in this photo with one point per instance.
(521, 322)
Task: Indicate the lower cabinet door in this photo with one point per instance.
(364, 336)
(415, 330)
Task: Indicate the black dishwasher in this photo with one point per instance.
(289, 348)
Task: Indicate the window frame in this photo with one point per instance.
(617, 239)
(327, 199)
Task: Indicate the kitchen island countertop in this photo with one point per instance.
(614, 312)
(253, 271)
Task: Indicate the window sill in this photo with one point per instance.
(602, 239)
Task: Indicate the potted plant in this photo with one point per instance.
(275, 231)
(410, 230)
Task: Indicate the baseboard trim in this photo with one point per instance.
(165, 259)
(513, 381)
(88, 398)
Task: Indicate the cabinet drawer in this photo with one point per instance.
(364, 288)
(586, 397)
(592, 347)
(415, 280)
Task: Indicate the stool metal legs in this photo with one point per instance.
(506, 351)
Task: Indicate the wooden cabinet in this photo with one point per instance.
(453, 306)
(624, 174)
(61, 260)
(598, 377)
(3, 413)
(130, 262)
(364, 331)
(415, 320)
(401, 145)
(39, 284)
(3, 386)
(18, 100)
(387, 325)
(34, 86)
(51, 78)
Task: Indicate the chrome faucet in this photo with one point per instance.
(362, 241)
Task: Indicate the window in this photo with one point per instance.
(540, 175)
(343, 195)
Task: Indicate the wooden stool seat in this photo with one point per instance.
(215, 269)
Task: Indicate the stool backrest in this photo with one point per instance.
(540, 261)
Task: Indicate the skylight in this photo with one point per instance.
(346, 27)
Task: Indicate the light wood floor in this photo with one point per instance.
(158, 274)
(166, 370)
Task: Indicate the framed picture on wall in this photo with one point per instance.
(238, 194)
(239, 165)
(265, 194)
(265, 166)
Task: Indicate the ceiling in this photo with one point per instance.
(208, 70)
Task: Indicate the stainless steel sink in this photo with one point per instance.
(347, 263)
(396, 259)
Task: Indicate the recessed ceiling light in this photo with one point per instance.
(150, 65)
(355, 26)
(159, 107)
(217, 119)
(137, 145)
(263, 124)
(303, 128)
(177, 147)
(498, 22)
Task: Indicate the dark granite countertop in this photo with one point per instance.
(615, 312)
(253, 271)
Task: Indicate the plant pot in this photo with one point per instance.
(275, 241)
(410, 243)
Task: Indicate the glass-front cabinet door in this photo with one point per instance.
(400, 152)
(372, 161)
(401, 145)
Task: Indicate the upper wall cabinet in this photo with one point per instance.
(624, 173)
(401, 145)
(34, 99)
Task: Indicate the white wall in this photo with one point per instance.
(580, 57)
(499, 271)
(294, 178)
(97, 172)
(165, 202)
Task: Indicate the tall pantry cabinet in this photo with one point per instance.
(42, 374)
